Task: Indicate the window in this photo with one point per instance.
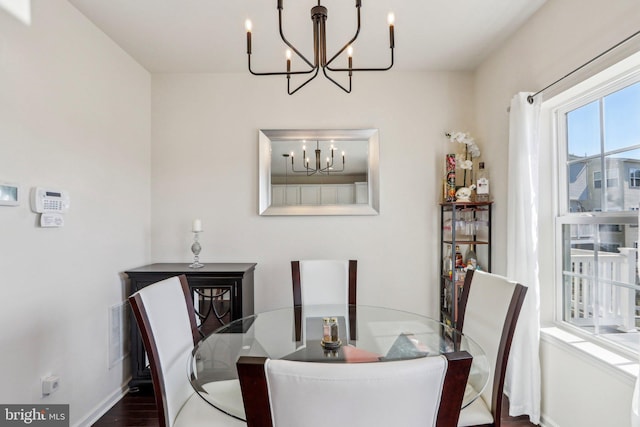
(612, 179)
(634, 178)
(597, 225)
(597, 179)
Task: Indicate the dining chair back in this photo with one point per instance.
(166, 319)
(427, 391)
(489, 308)
(324, 282)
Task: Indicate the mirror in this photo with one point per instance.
(319, 172)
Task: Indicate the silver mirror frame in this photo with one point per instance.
(266, 136)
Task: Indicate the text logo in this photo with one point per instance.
(34, 415)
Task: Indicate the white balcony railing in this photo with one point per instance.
(601, 289)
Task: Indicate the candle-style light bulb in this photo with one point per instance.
(391, 18)
(247, 25)
(288, 55)
(350, 59)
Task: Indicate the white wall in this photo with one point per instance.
(74, 114)
(561, 36)
(204, 165)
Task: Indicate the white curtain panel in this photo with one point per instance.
(635, 400)
(635, 404)
(522, 384)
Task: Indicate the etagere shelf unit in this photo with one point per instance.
(465, 225)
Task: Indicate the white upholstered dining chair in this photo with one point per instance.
(489, 308)
(166, 319)
(325, 282)
(423, 392)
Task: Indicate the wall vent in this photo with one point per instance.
(119, 319)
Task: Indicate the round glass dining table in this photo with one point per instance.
(366, 335)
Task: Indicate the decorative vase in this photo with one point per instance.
(464, 194)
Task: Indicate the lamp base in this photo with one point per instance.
(196, 265)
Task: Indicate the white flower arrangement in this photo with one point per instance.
(462, 163)
(471, 151)
(471, 148)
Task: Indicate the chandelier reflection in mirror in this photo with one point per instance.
(320, 61)
(317, 169)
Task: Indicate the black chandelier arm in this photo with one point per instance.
(290, 92)
(312, 171)
(330, 169)
(278, 73)
(349, 43)
(306, 170)
(324, 71)
(309, 171)
(284, 39)
(363, 69)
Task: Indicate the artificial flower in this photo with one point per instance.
(465, 138)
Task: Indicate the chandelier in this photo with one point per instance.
(317, 169)
(319, 18)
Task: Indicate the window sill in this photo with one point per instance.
(624, 367)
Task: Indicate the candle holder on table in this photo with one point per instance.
(196, 248)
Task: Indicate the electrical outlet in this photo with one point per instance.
(50, 384)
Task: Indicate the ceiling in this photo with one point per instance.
(205, 36)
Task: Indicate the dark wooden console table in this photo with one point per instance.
(222, 292)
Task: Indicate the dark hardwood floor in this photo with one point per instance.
(136, 409)
(139, 409)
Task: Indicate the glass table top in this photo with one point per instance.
(367, 335)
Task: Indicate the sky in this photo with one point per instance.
(621, 124)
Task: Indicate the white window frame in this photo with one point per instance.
(587, 95)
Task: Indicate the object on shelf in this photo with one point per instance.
(450, 181)
(464, 194)
(482, 187)
(447, 268)
(459, 258)
(470, 258)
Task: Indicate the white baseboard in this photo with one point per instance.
(546, 422)
(103, 407)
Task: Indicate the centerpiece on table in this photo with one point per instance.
(462, 161)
